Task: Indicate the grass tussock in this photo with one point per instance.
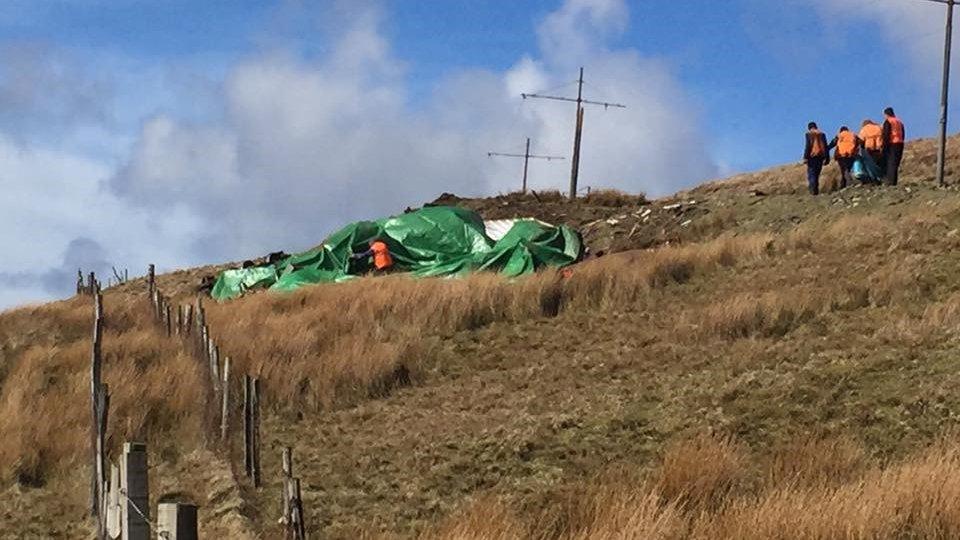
(702, 472)
(817, 489)
(767, 314)
(614, 198)
(327, 345)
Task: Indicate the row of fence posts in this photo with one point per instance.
(120, 503)
(190, 323)
(91, 285)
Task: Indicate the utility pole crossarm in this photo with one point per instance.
(531, 156)
(527, 156)
(578, 130)
(575, 100)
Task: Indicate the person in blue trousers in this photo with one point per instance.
(815, 156)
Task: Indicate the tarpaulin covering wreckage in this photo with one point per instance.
(432, 241)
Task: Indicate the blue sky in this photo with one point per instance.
(175, 132)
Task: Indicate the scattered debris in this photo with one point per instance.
(687, 222)
(673, 206)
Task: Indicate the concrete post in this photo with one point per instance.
(177, 521)
(135, 511)
(113, 504)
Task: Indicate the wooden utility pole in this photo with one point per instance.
(577, 135)
(527, 156)
(944, 96)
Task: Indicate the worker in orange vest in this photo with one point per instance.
(815, 156)
(848, 147)
(894, 136)
(872, 136)
(382, 260)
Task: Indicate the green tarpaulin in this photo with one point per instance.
(432, 241)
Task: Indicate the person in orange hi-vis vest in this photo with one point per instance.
(872, 136)
(382, 260)
(848, 147)
(894, 136)
(815, 156)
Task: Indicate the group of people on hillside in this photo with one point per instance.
(870, 157)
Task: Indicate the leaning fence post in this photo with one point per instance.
(134, 489)
(287, 461)
(177, 521)
(225, 407)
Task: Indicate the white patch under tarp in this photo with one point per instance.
(498, 228)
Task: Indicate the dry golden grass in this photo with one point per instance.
(331, 344)
(815, 462)
(700, 473)
(822, 492)
(153, 385)
(766, 314)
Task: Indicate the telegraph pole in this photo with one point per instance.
(527, 156)
(578, 131)
(945, 92)
(944, 96)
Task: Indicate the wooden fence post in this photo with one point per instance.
(134, 489)
(188, 319)
(255, 427)
(215, 365)
(247, 430)
(225, 407)
(297, 528)
(177, 521)
(287, 463)
(96, 367)
(103, 407)
(151, 279)
(167, 319)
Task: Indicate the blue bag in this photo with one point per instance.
(858, 170)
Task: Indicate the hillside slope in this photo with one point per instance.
(743, 351)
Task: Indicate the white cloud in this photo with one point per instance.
(914, 27)
(56, 217)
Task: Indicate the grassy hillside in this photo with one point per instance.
(746, 361)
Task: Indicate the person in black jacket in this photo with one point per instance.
(816, 154)
(894, 135)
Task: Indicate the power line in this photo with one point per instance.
(527, 156)
(575, 166)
